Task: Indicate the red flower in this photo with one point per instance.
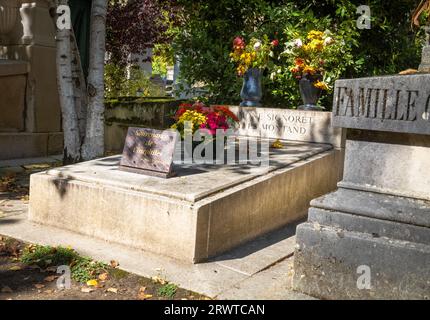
(299, 62)
(226, 111)
(275, 42)
(238, 43)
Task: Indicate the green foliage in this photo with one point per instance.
(117, 84)
(162, 57)
(45, 256)
(168, 290)
(82, 268)
(204, 41)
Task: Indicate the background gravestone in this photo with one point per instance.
(371, 238)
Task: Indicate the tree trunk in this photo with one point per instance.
(93, 145)
(72, 142)
(80, 88)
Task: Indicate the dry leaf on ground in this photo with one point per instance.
(142, 295)
(50, 278)
(92, 283)
(15, 268)
(113, 290)
(114, 264)
(103, 276)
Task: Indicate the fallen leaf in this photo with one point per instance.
(113, 290)
(142, 295)
(114, 264)
(50, 278)
(277, 144)
(6, 289)
(51, 269)
(49, 291)
(408, 71)
(103, 276)
(39, 286)
(92, 283)
(87, 290)
(159, 280)
(15, 268)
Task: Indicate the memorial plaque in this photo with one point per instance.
(149, 151)
(287, 124)
(392, 103)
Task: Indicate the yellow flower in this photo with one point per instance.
(315, 35)
(309, 69)
(321, 85)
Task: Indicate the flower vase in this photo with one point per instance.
(309, 93)
(251, 92)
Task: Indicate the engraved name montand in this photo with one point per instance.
(393, 103)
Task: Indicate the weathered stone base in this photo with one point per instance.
(348, 229)
(201, 212)
(425, 64)
(28, 145)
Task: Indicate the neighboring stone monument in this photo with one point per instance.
(425, 62)
(371, 238)
(30, 123)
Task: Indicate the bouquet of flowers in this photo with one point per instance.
(255, 54)
(309, 57)
(201, 116)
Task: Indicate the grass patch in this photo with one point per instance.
(47, 256)
(82, 268)
(168, 290)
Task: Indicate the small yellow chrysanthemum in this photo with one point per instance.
(309, 69)
(321, 85)
(315, 35)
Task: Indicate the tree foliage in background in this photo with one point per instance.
(204, 41)
(135, 25)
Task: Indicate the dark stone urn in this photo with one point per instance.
(251, 93)
(310, 94)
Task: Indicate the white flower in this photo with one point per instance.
(272, 75)
(328, 41)
(257, 45)
(298, 43)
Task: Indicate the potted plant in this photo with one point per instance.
(309, 60)
(8, 16)
(251, 59)
(202, 117)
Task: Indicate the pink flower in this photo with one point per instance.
(275, 42)
(239, 43)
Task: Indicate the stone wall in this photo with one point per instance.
(153, 112)
(30, 114)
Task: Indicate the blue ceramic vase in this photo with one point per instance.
(251, 93)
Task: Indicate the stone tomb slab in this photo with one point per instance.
(203, 211)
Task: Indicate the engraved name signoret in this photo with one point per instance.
(281, 123)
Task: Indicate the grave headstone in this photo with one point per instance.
(371, 237)
(149, 151)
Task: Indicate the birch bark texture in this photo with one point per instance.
(93, 145)
(66, 91)
(82, 102)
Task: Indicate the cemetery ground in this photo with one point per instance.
(28, 271)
